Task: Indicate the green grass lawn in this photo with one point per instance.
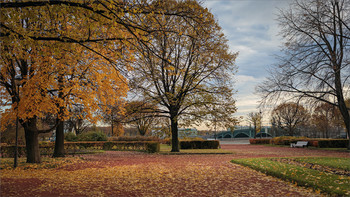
(333, 162)
(301, 175)
(165, 149)
(309, 147)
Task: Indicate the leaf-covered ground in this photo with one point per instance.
(142, 174)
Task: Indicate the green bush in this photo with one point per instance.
(92, 136)
(259, 141)
(152, 147)
(333, 143)
(201, 144)
(70, 137)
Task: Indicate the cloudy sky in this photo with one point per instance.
(252, 30)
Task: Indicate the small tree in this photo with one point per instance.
(141, 115)
(325, 117)
(289, 116)
(255, 118)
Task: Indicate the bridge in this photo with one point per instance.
(241, 133)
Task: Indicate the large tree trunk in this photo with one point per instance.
(59, 142)
(32, 145)
(174, 134)
(341, 102)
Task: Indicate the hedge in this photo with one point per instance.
(333, 143)
(287, 140)
(259, 141)
(134, 138)
(147, 146)
(200, 144)
(83, 147)
(321, 143)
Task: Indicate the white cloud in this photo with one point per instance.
(251, 29)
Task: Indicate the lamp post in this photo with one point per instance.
(260, 120)
(18, 79)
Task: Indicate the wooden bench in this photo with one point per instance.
(299, 144)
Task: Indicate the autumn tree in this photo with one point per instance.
(289, 116)
(326, 117)
(141, 115)
(54, 74)
(30, 32)
(185, 67)
(315, 65)
(255, 118)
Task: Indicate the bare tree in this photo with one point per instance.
(326, 117)
(316, 61)
(77, 122)
(141, 115)
(289, 116)
(255, 119)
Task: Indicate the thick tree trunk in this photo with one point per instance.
(290, 131)
(341, 102)
(32, 145)
(59, 142)
(174, 135)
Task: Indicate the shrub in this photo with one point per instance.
(9, 151)
(70, 137)
(166, 141)
(201, 144)
(152, 147)
(333, 143)
(192, 139)
(287, 140)
(45, 143)
(85, 147)
(259, 141)
(92, 136)
(313, 143)
(134, 138)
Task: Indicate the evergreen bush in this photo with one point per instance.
(70, 137)
(92, 136)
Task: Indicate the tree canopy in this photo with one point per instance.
(186, 68)
(77, 53)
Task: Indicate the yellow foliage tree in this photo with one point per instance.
(43, 45)
(64, 51)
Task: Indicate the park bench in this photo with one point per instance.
(299, 144)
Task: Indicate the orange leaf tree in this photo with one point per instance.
(63, 55)
(64, 51)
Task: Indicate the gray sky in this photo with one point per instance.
(252, 30)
